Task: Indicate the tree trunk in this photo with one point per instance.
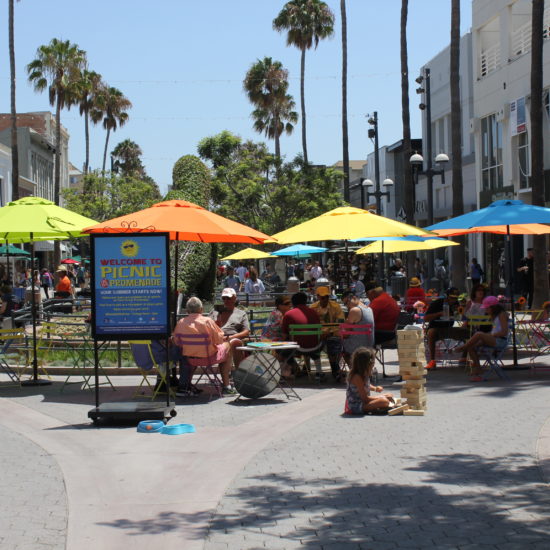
(57, 167)
(14, 145)
(409, 190)
(87, 137)
(541, 289)
(105, 151)
(303, 103)
(457, 252)
(277, 146)
(345, 156)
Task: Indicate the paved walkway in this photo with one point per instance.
(283, 475)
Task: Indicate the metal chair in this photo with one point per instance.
(297, 332)
(350, 329)
(147, 360)
(493, 362)
(209, 370)
(12, 342)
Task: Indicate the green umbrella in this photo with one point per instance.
(9, 250)
(33, 218)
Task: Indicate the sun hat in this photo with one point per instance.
(489, 301)
(61, 268)
(322, 291)
(228, 292)
(415, 281)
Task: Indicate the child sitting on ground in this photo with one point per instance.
(358, 398)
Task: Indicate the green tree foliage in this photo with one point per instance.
(197, 261)
(103, 198)
(127, 159)
(253, 187)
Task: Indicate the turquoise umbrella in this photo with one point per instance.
(299, 250)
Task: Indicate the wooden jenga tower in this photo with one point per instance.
(412, 367)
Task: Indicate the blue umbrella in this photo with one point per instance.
(498, 216)
(299, 250)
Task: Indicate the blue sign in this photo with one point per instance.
(130, 286)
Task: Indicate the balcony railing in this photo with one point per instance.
(489, 60)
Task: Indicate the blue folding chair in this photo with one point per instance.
(493, 362)
(151, 355)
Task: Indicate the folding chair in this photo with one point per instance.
(258, 319)
(146, 361)
(11, 346)
(298, 331)
(209, 370)
(349, 330)
(493, 362)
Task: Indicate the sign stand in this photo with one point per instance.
(130, 301)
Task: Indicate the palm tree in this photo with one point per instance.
(266, 85)
(111, 107)
(537, 147)
(406, 117)
(14, 146)
(458, 256)
(345, 145)
(89, 86)
(127, 157)
(307, 22)
(57, 67)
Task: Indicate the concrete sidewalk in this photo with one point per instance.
(278, 474)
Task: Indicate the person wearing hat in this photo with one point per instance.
(330, 312)
(233, 322)
(414, 293)
(439, 327)
(497, 338)
(63, 288)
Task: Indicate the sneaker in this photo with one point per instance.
(431, 365)
(183, 393)
(229, 391)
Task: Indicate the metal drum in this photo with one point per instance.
(257, 376)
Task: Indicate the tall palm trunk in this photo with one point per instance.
(537, 147)
(345, 144)
(57, 172)
(303, 102)
(458, 256)
(14, 146)
(87, 137)
(105, 151)
(406, 117)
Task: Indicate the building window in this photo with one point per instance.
(491, 153)
(524, 166)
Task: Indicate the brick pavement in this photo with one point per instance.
(33, 503)
(284, 475)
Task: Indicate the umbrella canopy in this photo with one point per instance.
(299, 250)
(513, 215)
(34, 218)
(346, 223)
(184, 221)
(390, 245)
(248, 254)
(69, 261)
(13, 251)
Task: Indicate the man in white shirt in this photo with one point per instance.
(316, 271)
(241, 272)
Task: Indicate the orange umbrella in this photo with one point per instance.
(184, 221)
(516, 229)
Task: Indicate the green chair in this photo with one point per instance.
(313, 332)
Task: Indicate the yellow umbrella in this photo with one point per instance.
(398, 245)
(346, 223)
(249, 254)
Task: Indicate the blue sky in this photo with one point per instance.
(182, 62)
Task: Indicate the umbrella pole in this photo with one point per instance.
(383, 281)
(8, 261)
(348, 266)
(511, 292)
(175, 315)
(34, 381)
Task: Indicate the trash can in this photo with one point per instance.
(293, 285)
(398, 285)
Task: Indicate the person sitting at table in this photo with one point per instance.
(63, 288)
(218, 349)
(358, 397)
(439, 328)
(301, 314)
(233, 322)
(385, 311)
(273, 329)
(414, 293)
(330, 312)
(497, 338)
(358, 314)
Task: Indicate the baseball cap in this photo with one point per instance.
(228, 292)
(489, 301)
(322, 291)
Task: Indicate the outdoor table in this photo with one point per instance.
(268, 368)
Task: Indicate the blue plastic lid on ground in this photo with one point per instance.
(178, 429)
(150, 426)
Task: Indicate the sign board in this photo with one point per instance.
(517, 116)
(130, 286)
(43, 246)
